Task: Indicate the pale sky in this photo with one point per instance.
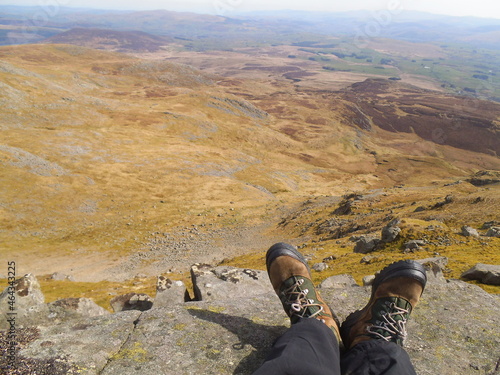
(478, 8)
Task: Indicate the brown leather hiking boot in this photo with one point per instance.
(395, 293)
(291, 279)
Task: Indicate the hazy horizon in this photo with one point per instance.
(481, 8)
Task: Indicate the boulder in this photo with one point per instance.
(169, 292)
(489, 224)
(61, 277)
(483, 178)
(391, 231)
(368, 280)
(73, 308)
(493, 232)
(131, 301)
(414, 244)
(330, 258)
(485, 273)
(219, 283)
(366, 244)
(320, 267)
(469, 231)
(338, 282)
(84, 346)
(369, 259)
(28, 303)
(441, 262)
(434, 273)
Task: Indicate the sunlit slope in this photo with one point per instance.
(99, 150)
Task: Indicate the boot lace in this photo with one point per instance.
(392, 326)
(299, 305)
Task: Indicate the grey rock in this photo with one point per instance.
(434, 273)
(28, 304)
(330, 258)
(131, 301)
(203, 337)
(483, 178)
(319, 267)
(338, 282)
(414, 244)
(61, 277)
(368, 280)
(86, 344)
(366, 244)
(485, 273)
(169, 292)
(369, 259)
(27, 291)
(441, 262)
(493, 232)
(220, 283)
(355, 238)
(391, 231)
(489, 224)
(73, 308)
(469, 231)
(454, 320)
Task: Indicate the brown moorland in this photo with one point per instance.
(113, 165)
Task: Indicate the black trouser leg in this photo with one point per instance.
(376, 357)
(309, 347)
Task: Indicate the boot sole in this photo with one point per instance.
(403, 268)
(284, 249)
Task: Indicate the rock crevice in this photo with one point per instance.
(231, 327)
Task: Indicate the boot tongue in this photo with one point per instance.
(295, 293)
(389, 317)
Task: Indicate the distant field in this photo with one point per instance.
(455, 68)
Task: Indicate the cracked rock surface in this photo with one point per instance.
(454, 330)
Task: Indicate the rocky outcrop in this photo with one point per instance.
(468, 231)
(231, 330)
(64, 309)
(483, 178)
(413, 245)
(218, 283)
(338, 282)
(60, 277)
(29, 303)
(493, 232)
(485, 273)
(391, 231)
(131, 301)
(366, 244)
(169, 292)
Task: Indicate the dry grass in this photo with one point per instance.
(113, 148)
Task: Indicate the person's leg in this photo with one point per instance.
(374, 336)
(311, 345)
(308, 347)
(377, 357)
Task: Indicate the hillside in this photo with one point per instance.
(114, 166)
(449, 120)
(113, 40)
(451, 54)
